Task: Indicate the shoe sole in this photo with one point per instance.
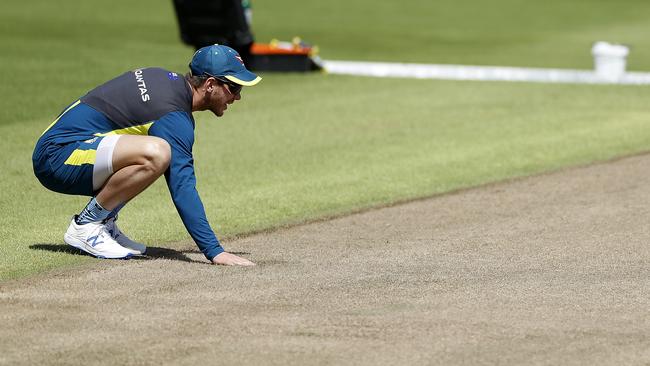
(135, 252)
(74, 242)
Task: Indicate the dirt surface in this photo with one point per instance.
(550, 270)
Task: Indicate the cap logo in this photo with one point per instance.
(240, 59)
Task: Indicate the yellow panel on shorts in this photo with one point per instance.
(79, 157)
(133, 130)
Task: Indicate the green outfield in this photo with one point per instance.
(301, 147)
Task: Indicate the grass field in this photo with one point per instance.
(301, 147)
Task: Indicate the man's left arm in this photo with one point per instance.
(177, 129)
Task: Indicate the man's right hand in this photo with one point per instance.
(229, 259)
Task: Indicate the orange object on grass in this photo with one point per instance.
(281, 48)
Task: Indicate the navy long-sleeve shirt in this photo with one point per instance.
(155, 102)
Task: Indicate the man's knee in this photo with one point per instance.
(157, 154)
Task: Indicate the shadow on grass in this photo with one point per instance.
(152, 252)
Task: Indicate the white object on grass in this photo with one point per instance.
(609, 60)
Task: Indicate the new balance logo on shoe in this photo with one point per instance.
(94, 240)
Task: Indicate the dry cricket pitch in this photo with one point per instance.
(552, 269)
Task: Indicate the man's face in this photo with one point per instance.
(218, 96)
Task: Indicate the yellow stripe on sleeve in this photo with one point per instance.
(79, 157)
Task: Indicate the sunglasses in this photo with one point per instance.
(233, 88)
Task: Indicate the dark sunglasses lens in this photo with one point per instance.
(234, 88)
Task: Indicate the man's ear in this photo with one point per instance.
(210, 84)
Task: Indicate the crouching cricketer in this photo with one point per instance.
(120, 137)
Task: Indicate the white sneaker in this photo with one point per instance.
(133, 246)
(94, 239)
